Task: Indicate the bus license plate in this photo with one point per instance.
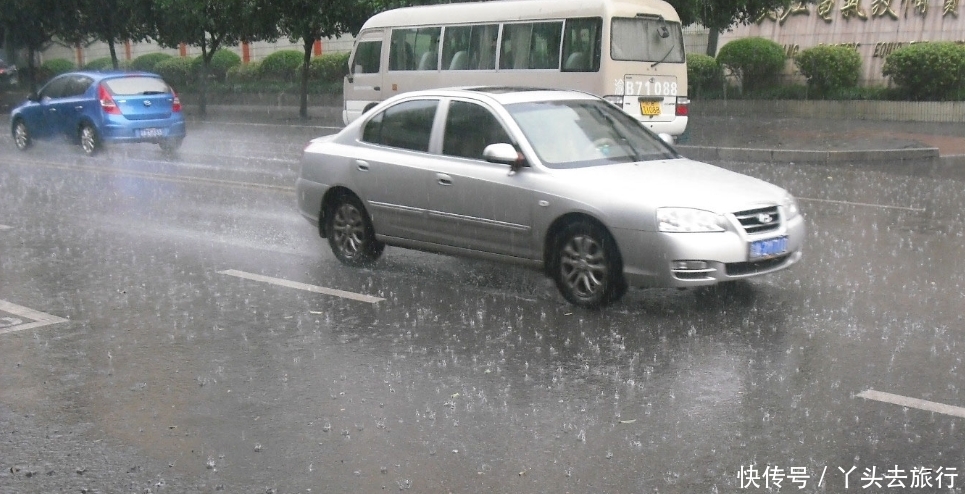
(768, 248)
(650, 108)
(152, 132)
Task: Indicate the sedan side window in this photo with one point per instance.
(407, 125)
(469, 129)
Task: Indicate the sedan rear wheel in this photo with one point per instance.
(21, 136)
(350, 232)
(588, 271)
(89, 141)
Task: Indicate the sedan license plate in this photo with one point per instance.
(152, 132)
(768, 248)
(650, 108)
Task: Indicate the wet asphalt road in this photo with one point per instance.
(158, 333)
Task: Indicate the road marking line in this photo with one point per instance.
(928, 406)
(39, 318)
(5, 227)
(303, 286)
(863, 204)
(159, 177)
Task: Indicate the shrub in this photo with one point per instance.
(148, 61)
(283, 65)
(103, 63)
(757, 62)
(927, 71)
(703, 74)
(829, 68)
(177, 71)
(246, 72)
(331, 67)
(221, 61)
(53, 67)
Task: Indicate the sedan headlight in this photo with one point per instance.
(790, 206)
(687, 220)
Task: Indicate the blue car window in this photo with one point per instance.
(56, 88)
(137, 85)
(78, 85)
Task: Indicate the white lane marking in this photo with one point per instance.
(158, 176)
(303, 286)
(862, 204)
(37, 318)
(928, 406)
(295, 126)
(5, 227)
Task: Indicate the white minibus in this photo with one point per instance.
(630, 52)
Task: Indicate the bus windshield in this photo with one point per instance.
(646, 39)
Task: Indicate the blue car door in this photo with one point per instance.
(44, 120)
(75, 104)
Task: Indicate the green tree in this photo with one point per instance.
(34, 24)
(718, 15)
(213, 24)
(311, 20)
(111, 21)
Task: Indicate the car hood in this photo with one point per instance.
(677, 182)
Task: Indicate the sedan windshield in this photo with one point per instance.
(580, 133)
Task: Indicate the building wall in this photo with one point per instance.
(874, 27)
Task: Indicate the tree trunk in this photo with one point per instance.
(203, 82)
(110, 44)
(32, 69)
(712, 38)
(306, 63)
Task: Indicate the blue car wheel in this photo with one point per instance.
(89, 141)
(21, 136)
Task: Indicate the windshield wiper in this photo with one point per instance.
(665, 55)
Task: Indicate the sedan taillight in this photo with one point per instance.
(176, 104)
(107, 101)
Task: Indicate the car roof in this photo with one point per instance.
(110, 74)
(503, 95)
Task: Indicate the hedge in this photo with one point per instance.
(927, 71)
(757, 62)
(829, 68)
(148, 61)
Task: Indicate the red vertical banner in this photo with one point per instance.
(127, 50)
(183, 49)
(245, 52)
(318, 48)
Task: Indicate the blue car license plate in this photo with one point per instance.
(151, 132)
(768, 248)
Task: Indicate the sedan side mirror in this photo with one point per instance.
(505, 154)
(33, 97)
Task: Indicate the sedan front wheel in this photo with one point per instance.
(350, 232)
(587, 268)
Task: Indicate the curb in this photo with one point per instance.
(809, 156)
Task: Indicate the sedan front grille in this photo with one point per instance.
(760, 220)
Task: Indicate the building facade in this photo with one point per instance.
(874, 28)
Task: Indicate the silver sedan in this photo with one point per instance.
(558, 180)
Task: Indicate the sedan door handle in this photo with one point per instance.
(443, 179)
(362, 165)
(79, 107)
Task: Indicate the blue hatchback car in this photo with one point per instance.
(97, 108)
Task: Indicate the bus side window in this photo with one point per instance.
(581, 45)
(531, 46)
